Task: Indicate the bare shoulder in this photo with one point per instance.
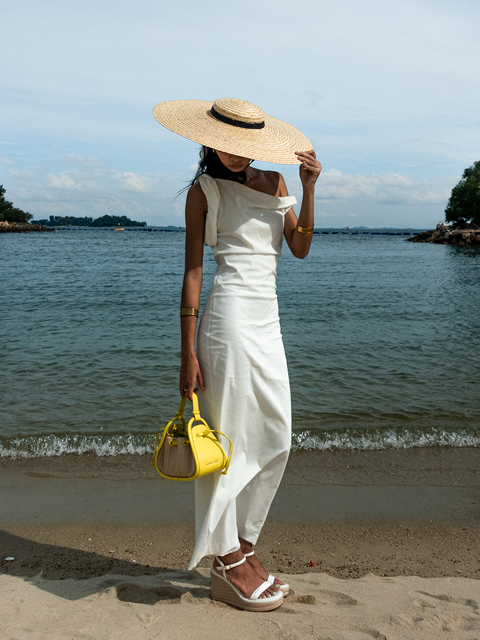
(271, 182)
(196, 199)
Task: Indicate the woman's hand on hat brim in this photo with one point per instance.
(310, 167)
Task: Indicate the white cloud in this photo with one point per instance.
(21, 174)
(83, 162)
(391, 188)
(130, 181)
(177, 209)
(63, 182)
(9, 163)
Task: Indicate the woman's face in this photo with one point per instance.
(233, 163)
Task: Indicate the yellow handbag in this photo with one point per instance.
(187, 452)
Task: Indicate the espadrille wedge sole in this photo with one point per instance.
(284, 588)
(224, 591)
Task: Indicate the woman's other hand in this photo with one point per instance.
(190, 373)
(310, 168)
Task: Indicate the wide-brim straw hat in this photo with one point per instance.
(233, 126)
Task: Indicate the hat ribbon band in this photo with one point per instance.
(236, 123)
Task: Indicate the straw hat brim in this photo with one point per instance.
(276, 142)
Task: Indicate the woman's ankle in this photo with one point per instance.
(245, 546)
(232, 558)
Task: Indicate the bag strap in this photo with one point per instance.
(195, 409)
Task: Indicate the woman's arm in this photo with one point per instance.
(195, 214)
(298, 242)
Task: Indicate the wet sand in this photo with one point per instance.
(374, 545)
(390, 512)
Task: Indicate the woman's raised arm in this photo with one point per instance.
(297, 239)
(195, 214)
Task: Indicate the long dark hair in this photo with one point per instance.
(211, 164)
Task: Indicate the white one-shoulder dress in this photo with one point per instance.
(241, 355)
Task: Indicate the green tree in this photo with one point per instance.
(10, 213)
(464, 203)
(65, 221)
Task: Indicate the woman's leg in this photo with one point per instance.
(254, 501)
(253, 504)
(247, 548)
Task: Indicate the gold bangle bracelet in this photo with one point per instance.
(189, 311)
(304, 229)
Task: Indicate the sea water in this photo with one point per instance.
(381, 337)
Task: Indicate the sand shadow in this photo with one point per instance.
(73, 574)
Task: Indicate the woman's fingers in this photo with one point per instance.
(306, 154)
(200, 380)
(187, 388)
(309, 159)
(186, 391)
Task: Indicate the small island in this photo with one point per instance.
(103, 221)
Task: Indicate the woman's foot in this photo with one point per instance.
(257, 566)
(244, 577)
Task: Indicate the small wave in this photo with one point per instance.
(371, 439)
(53, 445)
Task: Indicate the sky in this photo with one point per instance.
(388, 93)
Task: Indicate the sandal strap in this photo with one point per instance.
(259, 590)
(248, 555)
(226, 567)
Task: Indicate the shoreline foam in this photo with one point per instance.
(363, 439)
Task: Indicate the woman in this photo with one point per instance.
(240, 365)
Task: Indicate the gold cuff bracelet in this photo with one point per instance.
(304, 229)
(189, 311)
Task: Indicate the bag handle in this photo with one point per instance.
(195, 409)
(181, 409)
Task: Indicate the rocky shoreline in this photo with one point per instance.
(466, 234)
(21, 227)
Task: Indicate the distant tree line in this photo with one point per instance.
(464, 203)
(104, 221)
(9, 213)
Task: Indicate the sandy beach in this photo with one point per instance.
(376, 544)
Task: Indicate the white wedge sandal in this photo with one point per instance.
(284, 588)
(224, 591)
